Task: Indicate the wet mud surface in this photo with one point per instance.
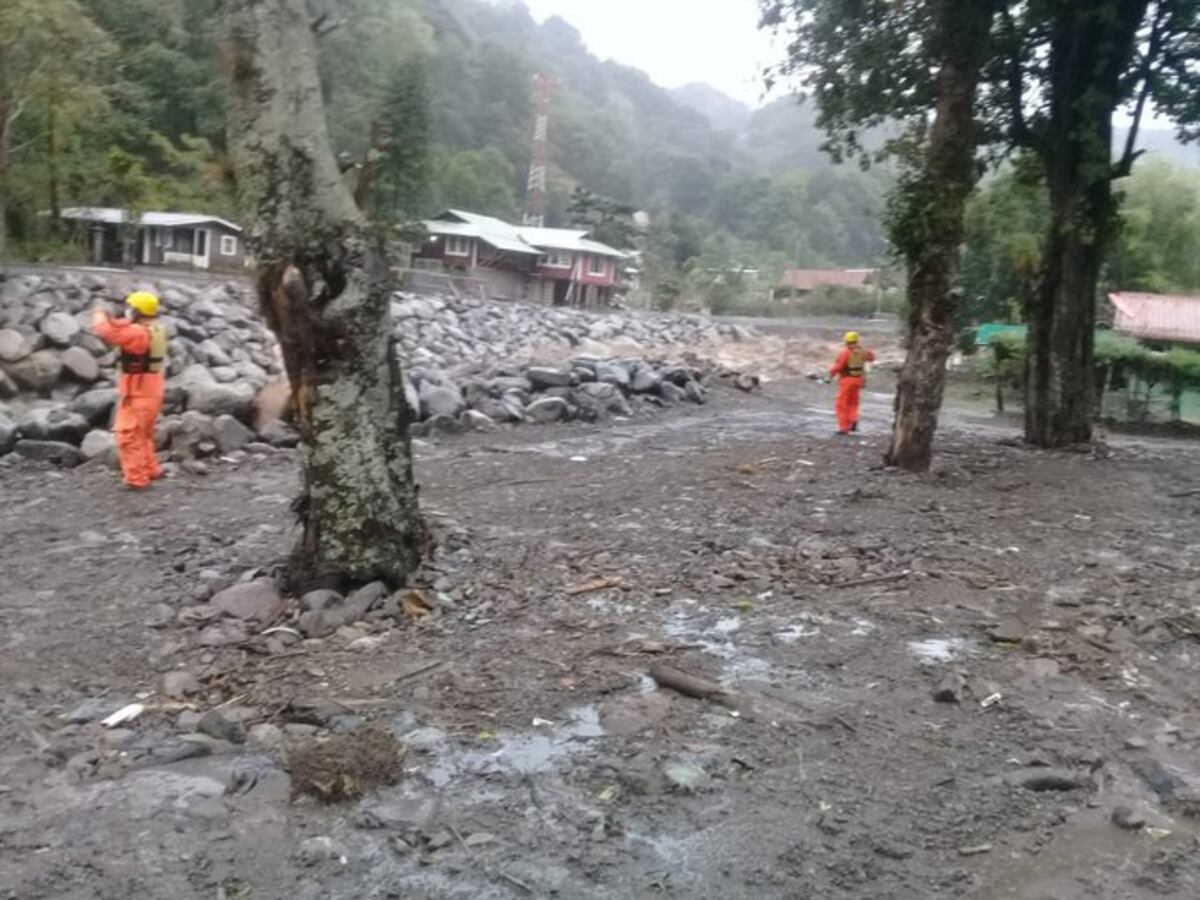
(1051, 601)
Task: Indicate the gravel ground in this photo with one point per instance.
(1053, 595)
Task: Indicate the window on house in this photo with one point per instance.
(597, 265)
(557, 259)
(458, 246)
(228, 245)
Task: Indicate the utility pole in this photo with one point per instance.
(535, 196)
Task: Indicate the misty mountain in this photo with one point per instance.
(723, 111)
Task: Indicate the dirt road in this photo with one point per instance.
(1055, 596)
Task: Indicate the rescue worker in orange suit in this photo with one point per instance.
(142, 340)
(850, 369)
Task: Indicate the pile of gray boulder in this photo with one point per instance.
(57, 380)
(469, 364)
(582, 389)
(442, 333)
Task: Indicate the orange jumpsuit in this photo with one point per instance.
(139, 401)
(848, 370)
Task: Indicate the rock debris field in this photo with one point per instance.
(469, 366)
(713, 652)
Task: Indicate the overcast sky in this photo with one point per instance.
(674, 41)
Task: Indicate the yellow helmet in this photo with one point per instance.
(851, 337)
(144, 303)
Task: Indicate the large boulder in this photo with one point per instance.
(220, 399)
(54, 424)
(603, 397)
(473, 420)
(257, 601)
(38, 372)
(612, 373)
(231, 434)
(546, 410)
(671, 392)
(542, 378)
(439, 400)
(95, 406)
(645, 381)
(212, 353)
(59, 328)
(13, 346)
(279, 433)
(50, 451)
(191, 436)
(100, 444)
(80, 365)
(8, 434)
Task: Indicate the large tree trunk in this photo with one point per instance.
(1091, 47)
(930, 230)
(325, 288)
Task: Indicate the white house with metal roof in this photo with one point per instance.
(193, 240)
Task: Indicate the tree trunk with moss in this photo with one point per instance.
(325, 287)
(1091, 48)
(927, 223)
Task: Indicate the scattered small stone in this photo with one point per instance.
(1126, 818)
(257, 601)
(92, 710)
(893, 851)
(975, 851)
(180, 684)
(685, 776)
(441, 840)
(950, 689)
(479, 839)
(1042, 778)
(266, 736)
(1136, 743)
(317, 850)
(215, 725)
(1009, 631)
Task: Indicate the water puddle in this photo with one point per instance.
(525, 753)
(932, 651)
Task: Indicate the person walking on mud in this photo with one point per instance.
(850, 369)
(142, 340)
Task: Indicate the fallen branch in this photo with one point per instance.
(1180, 495)
(420, 670)
(692, 685)
(600, 584)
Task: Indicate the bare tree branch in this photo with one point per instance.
(1124, 167)
(1023, 135)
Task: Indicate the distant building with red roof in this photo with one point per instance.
(800, 282)
(1171, 319)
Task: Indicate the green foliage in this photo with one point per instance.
(610, 222)
(401, 190)
(1157, 247)
(478, 181)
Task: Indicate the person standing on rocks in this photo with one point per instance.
(142, 340)
(850, 369)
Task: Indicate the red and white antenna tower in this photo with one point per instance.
(535, 196)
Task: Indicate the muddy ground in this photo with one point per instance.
(742, 542)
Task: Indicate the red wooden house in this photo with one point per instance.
(542, 265)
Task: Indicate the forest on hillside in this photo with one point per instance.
(131, 115)
(118, 103)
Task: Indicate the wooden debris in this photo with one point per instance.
(599, 584)
(692, 685)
